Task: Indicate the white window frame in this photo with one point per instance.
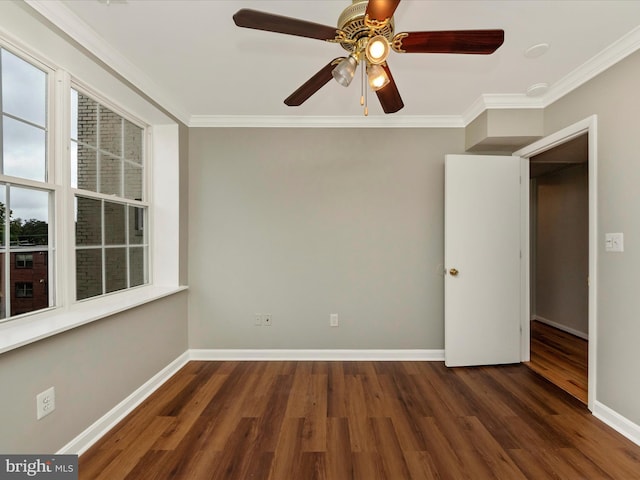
(48, 185)
(161, 145)
(74, 192)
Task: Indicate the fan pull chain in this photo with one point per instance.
(362, 86)
(365, 90)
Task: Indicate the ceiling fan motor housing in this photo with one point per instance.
(351, 21)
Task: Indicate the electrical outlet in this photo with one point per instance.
(266, 320)
(333, 320)
(45, 402)
(257, 320)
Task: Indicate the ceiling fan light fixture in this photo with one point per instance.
(377, 50)
(377, 76)
(345, 70)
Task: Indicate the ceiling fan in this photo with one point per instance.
(366, 30)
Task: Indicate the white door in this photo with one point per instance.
(482, 260)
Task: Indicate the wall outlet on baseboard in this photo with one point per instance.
(257, 320)
(333, 320)
(45, 402)
(267, 320)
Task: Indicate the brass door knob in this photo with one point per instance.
(453, 272)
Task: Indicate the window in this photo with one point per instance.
(26, 197)
(74, 159)
(108, 174)
(24, 260)
(24, 290)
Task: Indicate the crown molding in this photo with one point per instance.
(72, 25)
(295, 121)
(611, 55)
(497, 102)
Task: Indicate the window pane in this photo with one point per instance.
(86, 167)
(132, 142)
(136, 226)
(29, 217)
(132, 181)
(24, 150)
(27, 287)
(88, 273)
(137, 261)
(88, 221)
(114, 223)
(24, 89)
(110, 132)
(86, 120)
(110, 175)
(116, 269)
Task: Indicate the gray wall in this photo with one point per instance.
(93, 368)
(302, 223)
(613, 97)
(562, 248)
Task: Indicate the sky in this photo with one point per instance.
(23, 104)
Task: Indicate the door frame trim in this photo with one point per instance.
(589, 126)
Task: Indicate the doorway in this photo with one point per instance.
(587, 129)
(559, 265)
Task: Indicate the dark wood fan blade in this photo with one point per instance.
(389, 95)
(480, 42)
(277, 23)
(381, 9)
(312, 85)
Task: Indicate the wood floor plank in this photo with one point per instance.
(192, 409)
(496, 458)
(359, 421)
(421, 466)
(404, 406)
(384, 437)
(287, 461)
(338, 460)
(128, 459)
(561, 358)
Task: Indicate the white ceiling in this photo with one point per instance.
(190, 57)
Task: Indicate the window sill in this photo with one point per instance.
(20, 332)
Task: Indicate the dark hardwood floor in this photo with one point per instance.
(359, 420)
(561, 358)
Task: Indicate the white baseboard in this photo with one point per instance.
(559, 326)
(326, 355)
(616, 421)
(93, 433)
